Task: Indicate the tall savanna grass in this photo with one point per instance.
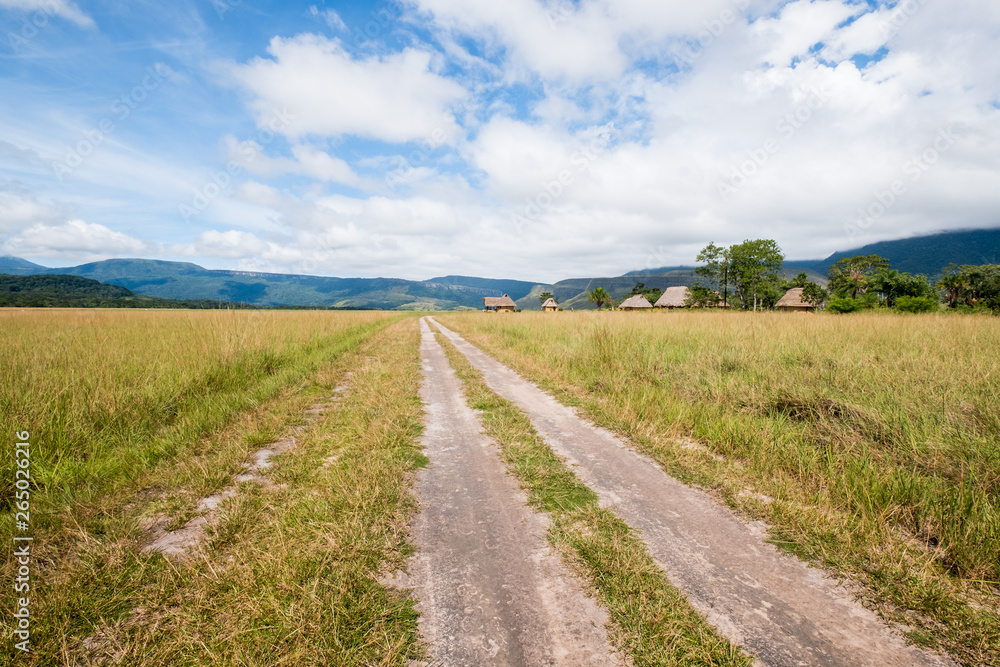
(886, 425)
(105, 393)
(136, 417)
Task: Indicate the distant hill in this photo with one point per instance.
(926, 254)
(66, 291)
(16, 266)
(183, 280)
(515, 289)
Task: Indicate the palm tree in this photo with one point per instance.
(955, 286)
(600, 297)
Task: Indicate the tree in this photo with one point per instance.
(545, 296)
(850, 276)
(702, 297)
(955, 284)
(988, 286)
(814, 294)
(767, 293)
(715, 273)
(652, 294)
(800, 280)
(972, 286)
(600, 297)
(752, 268)
(754, 271)
(891, 285)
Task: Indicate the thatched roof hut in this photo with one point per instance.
(499, 304)
(674, 297)
(792, 302)
(637, 302)
(550, 306)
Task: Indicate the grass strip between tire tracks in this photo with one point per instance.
(652, 622)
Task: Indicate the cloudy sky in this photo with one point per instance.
(522, 139)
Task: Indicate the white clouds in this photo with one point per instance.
(324, 167)
(829, 158)
(555, 41)
(866, 35)
(307, 161)
(800, 26)
(19, 209)
(331, 18)
(230, 244)
(576, 41)
(259, 194)
(63, 8)
(396, 98)
(74, 240)
(520, 157)
(539, 83)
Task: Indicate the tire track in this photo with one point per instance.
(491, 591)
(182, 542)
(779, 609)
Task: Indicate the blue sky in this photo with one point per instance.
(525, 139)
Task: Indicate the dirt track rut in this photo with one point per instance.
(780, 610)
(490, 589)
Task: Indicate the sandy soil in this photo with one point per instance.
(773, 605)
(490, 589)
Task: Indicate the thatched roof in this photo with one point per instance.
(551, 303)
(674, 297)
(793, 299)
(499, 302)
(637, 301)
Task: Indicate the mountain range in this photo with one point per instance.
(181, 280)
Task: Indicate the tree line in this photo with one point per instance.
(67, 291)
(749, 276)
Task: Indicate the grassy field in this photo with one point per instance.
(870, 444)
(139, 415)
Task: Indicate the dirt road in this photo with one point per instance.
(490, 589)
(777, 608)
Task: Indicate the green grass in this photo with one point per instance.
(290, 572)
(870, 444)
(652, 622)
